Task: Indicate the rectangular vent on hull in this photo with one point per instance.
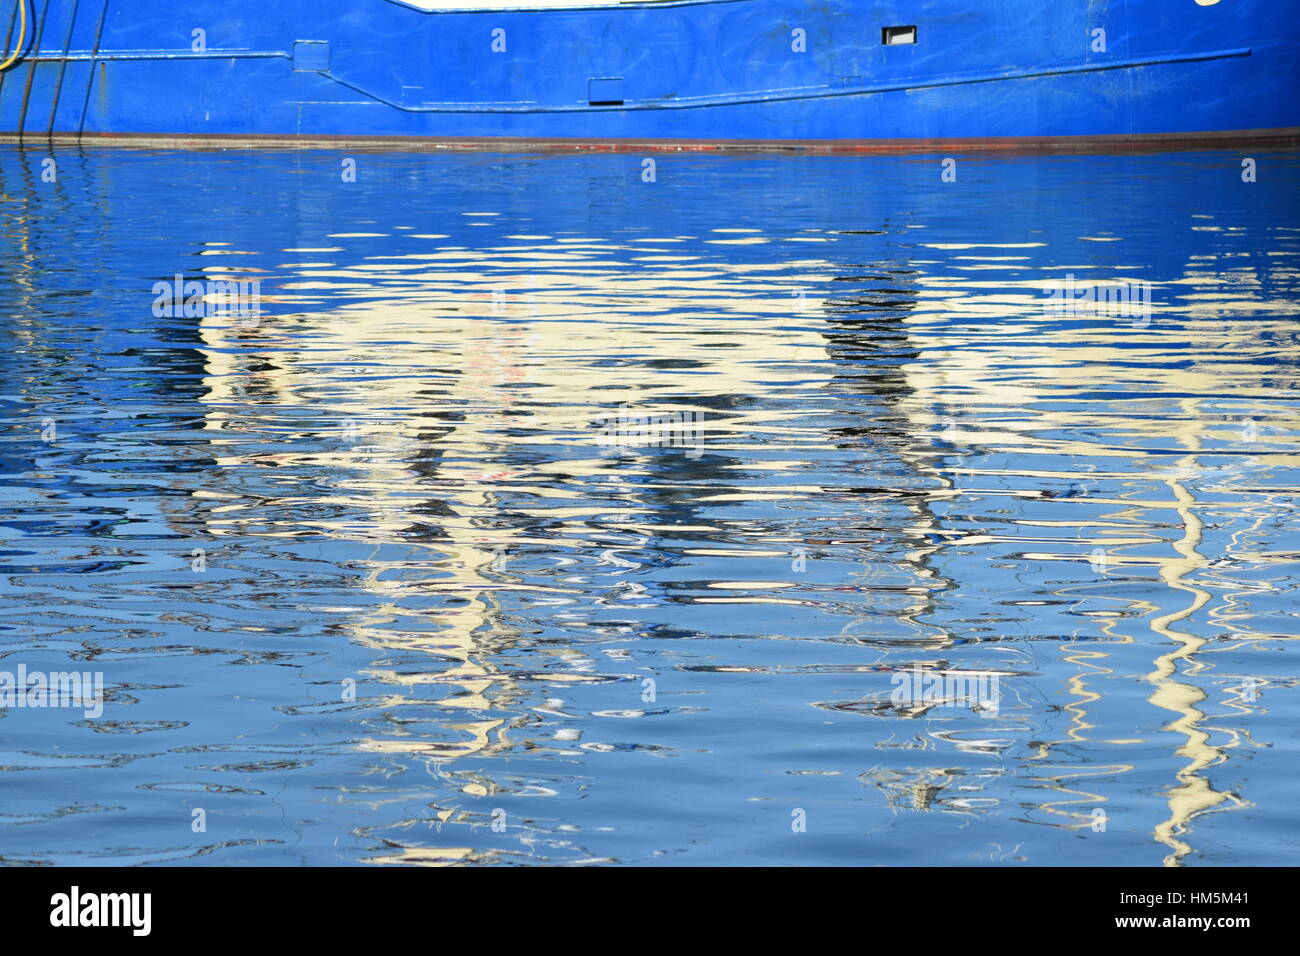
(893, 36)
(605, 91)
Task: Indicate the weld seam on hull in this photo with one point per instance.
(800, 93)
(127, 55)
(698, 102)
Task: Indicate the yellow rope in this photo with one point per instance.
(22, 36)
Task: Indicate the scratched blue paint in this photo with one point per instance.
(766, 70)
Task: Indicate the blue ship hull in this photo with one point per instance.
(833, 73)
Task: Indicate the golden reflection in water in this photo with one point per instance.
(1193, 795)
(1012, 371)
(27, 263)
(498, 335)
(1023, 381)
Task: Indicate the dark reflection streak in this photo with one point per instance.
(867, 342)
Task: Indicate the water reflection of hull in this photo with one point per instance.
(427, 404)
(1106, 521)
(445, 479)
(980, 73)
(444, 476)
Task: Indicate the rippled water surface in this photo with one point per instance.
(367, 582)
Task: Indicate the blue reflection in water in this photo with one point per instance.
(387, 572)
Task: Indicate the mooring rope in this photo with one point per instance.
(22, 36)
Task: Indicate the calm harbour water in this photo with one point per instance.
(365, 586)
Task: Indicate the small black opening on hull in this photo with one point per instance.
(605, 91)
(894, 36)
